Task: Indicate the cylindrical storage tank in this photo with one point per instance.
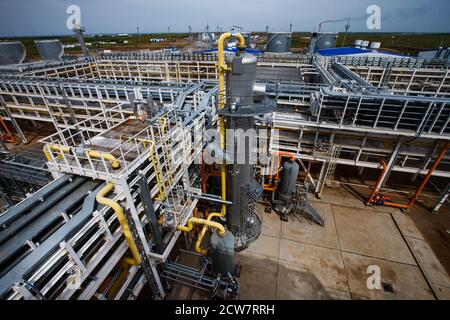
(12, 52)
(221, 251)
(279, 42)
(49, 49)
(325, 41)
(288, 179)
(375, 46)
(358, 43)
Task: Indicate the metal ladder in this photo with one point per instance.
(332, 164)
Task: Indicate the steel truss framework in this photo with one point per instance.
(331, 111)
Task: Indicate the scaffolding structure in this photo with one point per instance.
(330, 111)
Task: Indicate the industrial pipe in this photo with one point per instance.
(419, 189)
(108, 157)
(92, 153)
(424, 182)
(222, 68)
(56, 148)
(161, 186)
(376, 188)
(205, 222)
(204, 229)
(291, 156)
(122, 220)
(8, 133)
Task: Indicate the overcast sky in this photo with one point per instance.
(48, 17)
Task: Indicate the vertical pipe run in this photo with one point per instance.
(376, 188)
(122, 220)
(222, 67)
(419, 189)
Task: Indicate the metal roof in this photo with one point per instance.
(345, 51)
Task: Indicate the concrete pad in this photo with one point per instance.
(321, 267)
(407, 281)
(271, 224)
(266, 246)
(303, 230)
(429, 262)
(442, 292)
(407, 225)
(258, 280)
(371, 234)
(352, 196)
(342, 197)
(298, 283)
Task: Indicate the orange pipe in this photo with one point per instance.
(430, 172)
(424, 182)
(10, 137)
(376, 188)
(396, 205)
(291, 156)
(197, 227)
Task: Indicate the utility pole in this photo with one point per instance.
(347, 27)
(139, 35)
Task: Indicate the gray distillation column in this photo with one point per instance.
(241, 106)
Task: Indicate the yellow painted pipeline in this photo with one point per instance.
(92, 153)
(156, 167)
(206, 223)
(222, 68)
(122, 220)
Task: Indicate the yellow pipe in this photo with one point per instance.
(206, 223)
(56, 148)
(122, 220)
(94, 154)
(108, 157)
(222, 67)
(155, 164)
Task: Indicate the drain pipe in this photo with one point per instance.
(136, 260)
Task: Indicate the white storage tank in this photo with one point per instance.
(358, 43)
(374, 46)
